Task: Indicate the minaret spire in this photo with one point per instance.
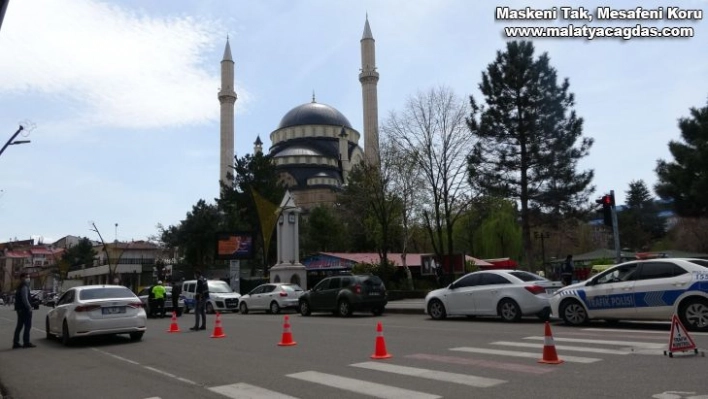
(227, 99)
(369, 78)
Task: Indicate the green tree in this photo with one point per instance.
(81, 254)
(195, 236)
(322, 231)
(640, 224)
(685, 181)
(526, 138)
(499, 235)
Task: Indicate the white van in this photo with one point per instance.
(221, 296)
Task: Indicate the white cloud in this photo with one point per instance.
(110, 66)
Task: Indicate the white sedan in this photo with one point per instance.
(271, 297)
(653, 289)
(509, 294)
(96, 310)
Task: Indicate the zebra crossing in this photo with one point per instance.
(498, 355)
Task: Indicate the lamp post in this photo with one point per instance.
(12, 139)
(542, 235)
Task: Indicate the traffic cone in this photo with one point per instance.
(287, 339)
(380, 347)
(218, 331)
(549, 348)
(174, 327)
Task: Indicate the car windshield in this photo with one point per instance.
(292, 287)
(105, 293)
(526, 276)
(219, 286)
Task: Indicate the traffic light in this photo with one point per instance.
(608, 202)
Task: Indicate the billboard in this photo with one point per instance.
(428, 265)
(234, 245)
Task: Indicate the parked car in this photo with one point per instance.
(221, 296)
(271, 298)
(148, 300)
(510, 294)
(344, 295)
(50, 299)
(90, 310)
(653, 289)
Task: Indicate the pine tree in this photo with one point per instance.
(685, 181)
(526, 138)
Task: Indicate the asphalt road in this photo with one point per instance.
(459, 358)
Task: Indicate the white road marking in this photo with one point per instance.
(166, 374)
(639, 331)
(565, 347)
(573, 359)
(605, 342)
(360, 386)
(463, 379)
(246, 391)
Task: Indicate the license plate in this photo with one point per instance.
(114, 310)
(551, 290)
(374, 293)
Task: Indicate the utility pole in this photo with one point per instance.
(615, 229)
(108, 256)
(11, 141)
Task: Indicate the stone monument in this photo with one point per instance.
(288, 268)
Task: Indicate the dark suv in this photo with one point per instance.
(343, 295)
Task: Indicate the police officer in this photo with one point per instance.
(567, 270)
(159, 292)
(201, 295)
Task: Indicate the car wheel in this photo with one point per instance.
(694, 314)
(304, 308)
(243, 308)
(65, 338)
(46, 327)
(509, 310)
(436, 309)
(544, 315)
(573, 313)
(377, 311)
(136, 336)
(274, 307)
(209, 308)
(344, 309)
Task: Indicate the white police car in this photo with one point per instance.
(653, 289)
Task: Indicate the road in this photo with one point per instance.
(457, 358)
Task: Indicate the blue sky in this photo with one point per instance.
(124, 94)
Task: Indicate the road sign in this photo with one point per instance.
(679, 340)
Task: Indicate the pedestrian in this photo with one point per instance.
(176, 292)
(567, 270)
(201, 295)
(159, 292)
(24, 313)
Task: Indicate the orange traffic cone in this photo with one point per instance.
(287, 339)
(174, 327)
(380, 348)
(549, 348)
(218, 331)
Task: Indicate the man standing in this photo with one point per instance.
(567, 271)
(159, 292)
(201, 295)
(24, 313)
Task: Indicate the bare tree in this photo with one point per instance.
(433, 128)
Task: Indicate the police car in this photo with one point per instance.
(653, 289)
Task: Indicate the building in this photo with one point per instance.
(314, 146)
(40, 261)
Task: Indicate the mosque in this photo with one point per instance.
(314, 146)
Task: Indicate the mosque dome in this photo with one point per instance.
(314, 113)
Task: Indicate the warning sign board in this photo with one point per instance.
(680, 340)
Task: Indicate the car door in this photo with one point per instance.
(611, 294)
(657, 287)
(265, 296)
(489, 292)
(57, 315)
(460, 295)
(325, 294)
(251, 299)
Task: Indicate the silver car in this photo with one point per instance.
(271, 298)
(96, 310)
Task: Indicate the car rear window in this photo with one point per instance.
(105, 293)
(372, 281)
(292, 288)
(700, 262)
(526, 276)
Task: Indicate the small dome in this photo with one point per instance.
(314, 114)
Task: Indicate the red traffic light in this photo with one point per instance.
(607, 200)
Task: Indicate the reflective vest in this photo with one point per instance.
(158, 291)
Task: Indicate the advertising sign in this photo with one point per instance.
(234, 245)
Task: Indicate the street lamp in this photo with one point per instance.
(542, 235)
(12, 140)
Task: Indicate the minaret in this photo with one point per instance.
(369, 77)
(227, 98)
(257, 146)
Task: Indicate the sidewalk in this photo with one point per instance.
(406, 306)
